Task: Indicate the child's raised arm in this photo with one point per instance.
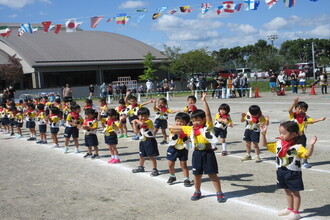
(175, 129)
(311, 148)
(206, 108)
(318, 120)
(126, 97)
(295, 101)
(148, 102)
(263, 130)
(242, 117)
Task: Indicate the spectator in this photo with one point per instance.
(141, 90)
(294, 82)
(222, 85)
(123, 90)
(230, 82)
(172, 87)
(281, 79)
(110, 89)
(166, 86)
(150, 87)
(67, 93)
(117, 91)
(11, 93)
(323, 82)
(302, 81)
(91, 91)
(272, 82)
(214, 87)
(103, 89)
(191, 85)
(201, 84)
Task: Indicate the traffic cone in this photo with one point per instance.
(282, 90)
(256, 94)
(313, 90)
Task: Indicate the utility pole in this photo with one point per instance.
(272, 37)
(313, 60)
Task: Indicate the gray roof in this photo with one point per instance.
(82, 47)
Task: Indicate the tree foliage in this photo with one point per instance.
(12, 72)
(149, 67)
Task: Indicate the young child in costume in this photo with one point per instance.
(222, 121)
(300, 117)
(42, 123)
(121, 111)
(30, 115)
(203, 141)
(54, 119)
(102, 113)
(90, 126)
(72, 125)
(288, 161)
(191, 107)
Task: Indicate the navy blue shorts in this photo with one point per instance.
(111, 140)
(12, 122)
(54, 130)
(5, 121)
(149, 148)
(251, 136)
(124, 121)
(204, 162)
(288, 179)
(71, 131)
(91, 140)
(130, 119)
(173, 154)
(220, 132)
(42, 128)
(159, 123)
(19, 124)
(30, 124)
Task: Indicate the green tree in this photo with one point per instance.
(149, 68)
(12, 72)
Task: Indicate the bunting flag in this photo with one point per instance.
(289, 3)
(5, 31)
(35, 29)
(140, 18)
(256, 5)
(46, 25)
(27, 28)
(313, 0)
(220, 8)
(238, 7)
(110, 19)
(71, 25)
(156, 15)
(162, 9)
(251, 4)
(229, 6)
(95, 20)
(184, 9)
(121, 18)
(270, 3)
(51, 27)
(173, 11)
(20, 32)
(205, 7)
(58, 28)
(141, 10)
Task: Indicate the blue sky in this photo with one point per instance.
(189, 31)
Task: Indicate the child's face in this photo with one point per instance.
(301, 110)
(143, 117)
(198, 121)
(133, 101)
(180, 122)
(89, 116)
(161, 103)
(122, 105)
(285, 135)
(191, 102)
(222, 111)
(113, 117)
(77, 110)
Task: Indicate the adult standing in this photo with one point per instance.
(222, 86)
(294, 82)
(172, 87)
(214, 86)
(123, 90)
(110, 89)
(272, 82)
(103, 89)
(67, 93)
(230, 85)
(150, 87)
(323, 82)
(166, 86)
(91, 91)
(280, 79)
(302, 81)
(11, 93)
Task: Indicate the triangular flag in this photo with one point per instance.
(46, 25)
(141, 10)
(58, 28)
(172, 11)
(238, 7)
(121, 18)
(256, 5)
(27, 28)
(162, 9)
(220, 8)
(71, 25)
(155, 16)
(5, 32)
(110, 19)
(20, 32)
(270, 3)
(184, 8)
(95, 20)
(289, 3)
(229, 6)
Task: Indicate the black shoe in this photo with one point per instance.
(31, 139)
(95, 156)
(12, 134)
(88, 155)
(40, 142)
(187, 183)
(154, 172)
(138, 169)
(171, 180)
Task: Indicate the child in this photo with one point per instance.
(12, 111)
(54, 119)
(222, 121)
(88, 104)
(30, 121)
(102, 115)
(110, 136)
(253, 119)
(4, 118)
(19, 122)
(191, 100)
(288, 158)
(178, 149)
(121, 111)
(162, 112)
(66, 109)
(148, 145)
(300, 117)
(42, 122)
(132, 108)
(90, 126)
(202, 139)
(73, 123)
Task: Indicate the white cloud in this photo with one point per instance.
(16, 4)
(276, 24)
(13, 16)
(242, 28)
(322, 31)
(132, 4)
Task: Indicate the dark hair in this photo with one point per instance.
(30, 105)
(164, 101)
(90, 111)
(55, 110)
(290, 126)
(73, 103)
(12, 108)
(225, 107)
(198, 113)
(102, 100)
(301, 104)
(192, 97)
(254, 110)
(89, 101)
(45, 97)
(122, 101)
(20, 101)
(58, 100)
(113, 112)
(75, 107)
(40, 106)
(143, 111)
(183, 116)
(132, 97)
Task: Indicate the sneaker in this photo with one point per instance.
(257, 159)
(138, 169)
(154, 172)
(76, 151)
(110, 161)
(307, 165)
(293, 216)
(121, 136)
(95, 156)
(137, 137)
(31, 139)
(12, 134)
(115, 161)
(163, 142)
(66, 150)
(125, 136)
(224, 153)
(196, 196)
(171, 180)
(221, 197)
(187, 183)
(284, 212)
(19, 136)
(88, 155)
(44, 142)
(39, 142)
(246, 158)
(56, 146)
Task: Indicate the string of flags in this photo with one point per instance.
(122, 18)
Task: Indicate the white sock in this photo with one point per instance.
(224, 146)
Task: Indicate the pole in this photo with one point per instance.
(313, 60)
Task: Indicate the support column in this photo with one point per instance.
(34, 80)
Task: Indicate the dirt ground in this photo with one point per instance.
(41, 182)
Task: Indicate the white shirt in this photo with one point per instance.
(149, 85)
(302, 77)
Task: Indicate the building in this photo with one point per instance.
(80, 58)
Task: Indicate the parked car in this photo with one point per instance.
(225, 73)
(245, 71)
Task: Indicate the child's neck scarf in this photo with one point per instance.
(162, 109)
(192, 108)
(182, 135)
(224, 116)
(196, 129)
(255, 119)
(110, 121)
(120, 108)
(75, 115)
(300, 117)
(39, 112)
(88, 106)
(87, 120)
(285, 146)
(135, 105)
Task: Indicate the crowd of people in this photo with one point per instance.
(192, 129)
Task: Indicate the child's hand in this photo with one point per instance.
(153, 100)
(267, 120)
(243, 115)
(263, 127)
(295, 100)
(204, 97)
(322, 119)
(313, 140)
(128, 92)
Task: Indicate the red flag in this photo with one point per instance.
(229, 6)
(46, 25)
(95, 21)
(58, 28)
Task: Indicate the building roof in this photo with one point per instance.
(78, 48)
